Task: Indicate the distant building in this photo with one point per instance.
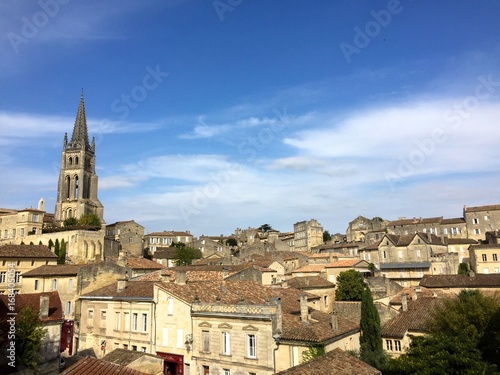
(307, 234)
(481, 219)
(125, 235)
(154, 241)
(485, 258)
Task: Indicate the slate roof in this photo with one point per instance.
(309, 282)
(461, 281)
(26, 251)
(94, 366)
(33, 300)
(415, 319)
(54, 270)
(335, 362)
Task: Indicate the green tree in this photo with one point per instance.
(350, 286)
(70, 222)
(313, 351)
(184, 255)
(265, 227)
(463, 338)
(51, 244)
(370, 340)
(231, 242)
(326, 236)
(40, 242)
(463, 269)
(29, 335)
(57, 247)
(61, 259)
(90, 219)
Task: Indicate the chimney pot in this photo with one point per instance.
(180, 277)
(304, 309)
(404, 302)
(335, 321)
(44, 307)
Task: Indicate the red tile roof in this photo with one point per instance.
(94, 366)
(26, 251)
(138, 263)
(335, 362)
(461, 281)
(309, 282)
(33, 300)
(346, 263)
(54, 270)
(142, 289)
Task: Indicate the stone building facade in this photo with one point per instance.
(307, 234)
(127, 235)
(481, 219)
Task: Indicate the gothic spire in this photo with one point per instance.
(80, 137)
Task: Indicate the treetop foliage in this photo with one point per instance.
(350, 286)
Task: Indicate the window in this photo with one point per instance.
(486, 270)
(419, 253)
(126, 318)
(135, 323)
(496, 270)
(70, 285)
(17, 277)
(477, 231)
(22, 232)
(226, 343)
(486, 217)
(54, 284)
(3, 276)
(388, 345)
(170, 306)
(134, 347)
(397, 345)
(445, 231)
(205, 337)
(251, 346)
(90, 314)
(130, 240)
(454, 230)
(144, 322)
(325, 301)
(475, 221)
(118, 322)
(103, 318)
(125, 346)
(484, 257)
(69, 308)
(37, 284)
(384, 254)
(495, 258)
(226, 371)
(143, 349)
(400, 254)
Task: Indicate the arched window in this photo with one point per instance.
(70, 161)
(70, 213)
(76, 187)
(76, 160)
(68, 184)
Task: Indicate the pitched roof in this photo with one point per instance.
(461, 281)
(33, 300)
(457, 241)
(414, 319)
(486, 247)
(311, 268)
(138, 263)
(346, 263)
(309, 282)
(54, 270)
(492, 207)
(125, 357)
(392, 265)
(168, 233)
(94, 366)
(455, 220)
(335, 362)
(26, 251)
(133, 289)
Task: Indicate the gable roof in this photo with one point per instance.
(309, 282)
(54, 270)
(415, 319)
(138, 263)
(133, 290)
(311, 268)
(335, 362)
(26, 251)
(94, 366)
(33, 300)
(347, 263)
(125, 357)
(492, 207)
(461, 281)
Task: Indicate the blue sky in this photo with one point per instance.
(213, 115)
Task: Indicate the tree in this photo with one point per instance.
(231, 242)
(313, 351)
(370, 341)
(70, 222)
(184, 255)
(29, 335)
(61, 259)
(90, 219)
(51, 244)
(350, 286)
(326, 236)
(463, 269)
(463, 338)
(265, 228)
(57, 248)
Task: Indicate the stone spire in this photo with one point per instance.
(80, 137)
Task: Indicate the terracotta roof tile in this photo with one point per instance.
(54, 270)
(94, 366)
(137, 263)
(455, 220)
(124, 357)
(311, 282)
(311, 268)
(461, 281)
(345, 263)
(33, 300)
(133, 289)
(26, 251)
(335, 362)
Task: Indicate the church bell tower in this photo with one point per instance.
(77, 186)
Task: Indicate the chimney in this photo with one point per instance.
(121, 284)
(330, 258)
(335, 321)
(304, 309)
(278, 328)
(122, 258)
(44, 307)
(284, 284)
(429, 237)
(404, 302)
(414, 295)
(180, 277)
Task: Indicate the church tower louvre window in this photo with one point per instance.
(77, 185)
